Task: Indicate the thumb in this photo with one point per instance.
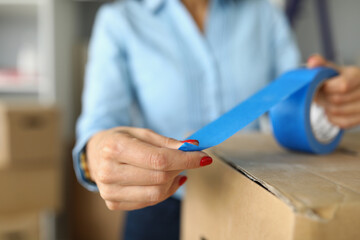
(317, 60)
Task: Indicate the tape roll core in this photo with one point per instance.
(323, 130)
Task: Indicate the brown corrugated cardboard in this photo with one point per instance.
(30, 189)
(23, 226)
(29, 134)
(266, 192)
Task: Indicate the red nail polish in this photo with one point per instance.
(205, 161)
(182, 180)
(192, 141)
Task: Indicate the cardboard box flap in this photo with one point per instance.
(312, 185)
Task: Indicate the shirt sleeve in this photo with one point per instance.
(286, 51)
(107, 94)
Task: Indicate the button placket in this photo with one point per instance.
(209, 103)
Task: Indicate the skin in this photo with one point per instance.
(198, 9)
(135, 168)
(340, 96)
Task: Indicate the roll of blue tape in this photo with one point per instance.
(289, 101)
(291, 118)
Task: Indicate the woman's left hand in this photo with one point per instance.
(340, 96)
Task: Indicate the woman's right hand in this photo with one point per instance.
(135, 167)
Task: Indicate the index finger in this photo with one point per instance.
(340, 84)
(144, 155)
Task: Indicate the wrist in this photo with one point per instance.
(84, 166)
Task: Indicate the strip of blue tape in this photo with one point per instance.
(288, 99)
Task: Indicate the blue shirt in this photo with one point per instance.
(150, 66)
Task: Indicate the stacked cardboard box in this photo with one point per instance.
(23, 226)
(257, 190)
(29, 167)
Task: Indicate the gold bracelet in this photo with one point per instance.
(84, 167)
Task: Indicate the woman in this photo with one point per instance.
(173, 66)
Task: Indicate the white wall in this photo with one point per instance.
(345, 19)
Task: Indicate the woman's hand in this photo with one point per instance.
(135, 168)
(340, 96)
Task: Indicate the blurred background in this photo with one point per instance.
(43, 51)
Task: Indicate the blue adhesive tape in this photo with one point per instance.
(288, 99)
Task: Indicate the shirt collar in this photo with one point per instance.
(153, 5)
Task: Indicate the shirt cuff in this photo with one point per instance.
(77, 152)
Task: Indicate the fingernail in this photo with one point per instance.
(182, 180)
(192, 141)
(206, 161)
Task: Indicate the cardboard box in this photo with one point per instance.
(24, 190)
(257, 190)
(20, 227)
(29, 134)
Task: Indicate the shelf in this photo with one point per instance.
(18, 8)
(18, 2)
(29, 89)
(11, 82)
(32, 24)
